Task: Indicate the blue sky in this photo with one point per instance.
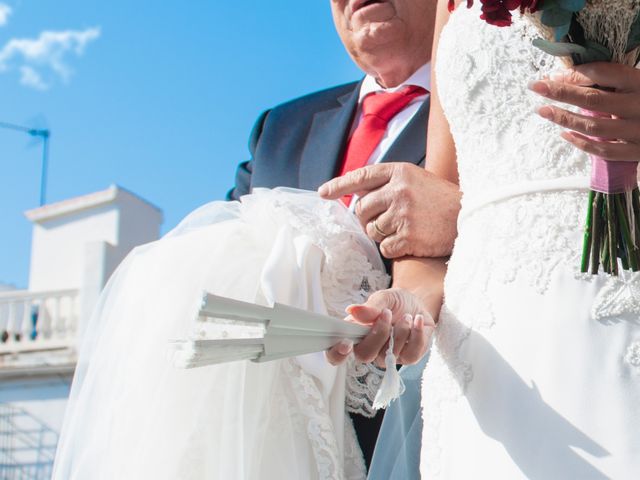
(158, 97)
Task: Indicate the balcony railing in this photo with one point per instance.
(37, 321)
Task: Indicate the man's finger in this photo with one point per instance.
(357, 182)
(381, 227)
(339, 352)
(371, 205)
(395, 246)
(368, 349)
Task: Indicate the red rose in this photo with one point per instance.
(498, 12)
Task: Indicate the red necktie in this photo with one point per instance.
(377, 111)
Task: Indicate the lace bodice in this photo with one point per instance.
(524, 187)
(483, 72)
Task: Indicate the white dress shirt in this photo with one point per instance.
(421, 78)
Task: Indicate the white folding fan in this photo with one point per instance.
(233, 330)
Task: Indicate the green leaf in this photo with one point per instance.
(556, 17)
(559, 49)
(572, 5)
(561, 32)
(595, 53)
(634, 35)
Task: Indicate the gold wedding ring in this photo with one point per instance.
(378, 230)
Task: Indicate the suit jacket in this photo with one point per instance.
(301, 143)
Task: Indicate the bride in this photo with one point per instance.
(132, 415)
(535, 370)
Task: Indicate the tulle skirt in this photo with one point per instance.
(132, 415)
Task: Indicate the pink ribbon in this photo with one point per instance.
(608, 176)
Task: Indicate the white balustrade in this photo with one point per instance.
(31, 321)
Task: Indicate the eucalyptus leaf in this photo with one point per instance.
(561, 32)
(572, 5)
(594, 52)
(559, 49)
(556, 17)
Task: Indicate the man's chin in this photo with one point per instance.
(377, 34)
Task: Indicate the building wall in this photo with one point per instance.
(139, 223)
(58, 245)
(31, 417)
(44, 398)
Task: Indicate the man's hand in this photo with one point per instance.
(406, 209)
(618, 100)
(412, 325)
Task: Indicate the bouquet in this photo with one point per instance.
(585, 31)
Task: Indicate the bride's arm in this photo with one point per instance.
(417, 282)
(423, 278)
(441, 151)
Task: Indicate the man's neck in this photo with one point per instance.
(421, 78)
(390, 78)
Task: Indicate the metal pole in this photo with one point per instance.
(44, 134)
(11, 126)
(45, 167)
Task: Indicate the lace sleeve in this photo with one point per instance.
(363, 381)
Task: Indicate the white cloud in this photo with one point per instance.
(39, 57)
(30, 78)
(5, 11)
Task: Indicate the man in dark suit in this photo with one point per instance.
(310, 140)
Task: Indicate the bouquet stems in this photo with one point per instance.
(612, 233)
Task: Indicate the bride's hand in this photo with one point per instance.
(412, 325)
(619, 99)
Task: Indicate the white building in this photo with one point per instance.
(76, 246)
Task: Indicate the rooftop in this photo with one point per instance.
(73, 205)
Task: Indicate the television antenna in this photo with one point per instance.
(43, 134)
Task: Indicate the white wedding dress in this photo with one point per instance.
(133, 416)
(535, 370)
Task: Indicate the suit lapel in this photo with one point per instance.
(410, 146)
(326, 141)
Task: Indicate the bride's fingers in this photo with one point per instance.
(616, 151)
(620, 77)
(367, 350)
(418, 342)
(627, 130)
(369, 312)
(620, 104)
(401, 332)
(339, 352)
(364, 314)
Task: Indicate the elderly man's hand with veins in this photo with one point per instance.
(405, 208)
